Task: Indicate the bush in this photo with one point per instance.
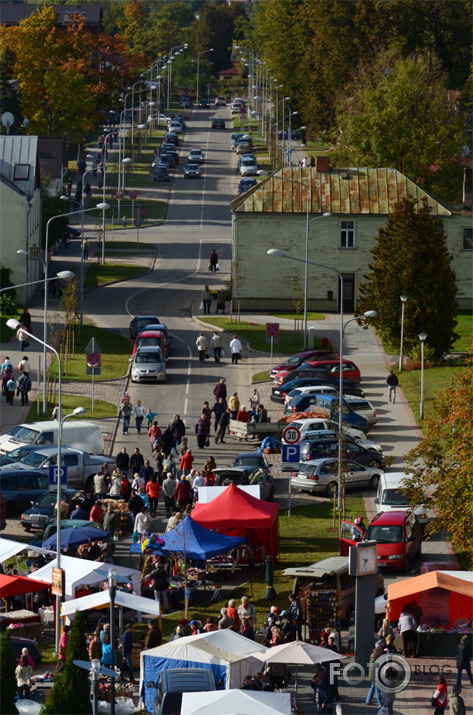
(7, 675)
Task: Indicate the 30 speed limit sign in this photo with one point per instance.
(291, 435)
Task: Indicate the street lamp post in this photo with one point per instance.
(112, 588)
(203, 52)
(14, 324)
(403, 302)
(422, 338)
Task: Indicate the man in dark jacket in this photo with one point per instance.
(135, 505)
(160, 580)
(136, 461)
(154, 637)
(123, 460)
(127, 651)
(218, 409)
(393, 383)
(220, 390)
(463, 659)
(178, 430)
(223, 423)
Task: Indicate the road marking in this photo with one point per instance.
(203, 183)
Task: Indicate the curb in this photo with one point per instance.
(123, 280)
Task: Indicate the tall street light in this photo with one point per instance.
(277, 253)
(422, 338)
(327, 214)
(203, 52)
(14, 325)
(403, 302)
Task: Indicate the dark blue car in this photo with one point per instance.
(20, 488)
(43, 510)
(246, 185)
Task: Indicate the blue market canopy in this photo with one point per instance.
(194, 541)
(75, 536)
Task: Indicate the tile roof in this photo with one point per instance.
(338, 191)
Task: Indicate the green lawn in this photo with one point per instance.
(98, 274)
(465, 330)
(435, 379)
(115, 353)
(7, 333)
(260, 376)
(69, 403)
(255, 335)
(298, 316)
(305, 537)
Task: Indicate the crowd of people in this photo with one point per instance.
(21, 385)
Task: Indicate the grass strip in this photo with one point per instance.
(70, 402)
(98, 274)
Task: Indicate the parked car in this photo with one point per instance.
(204, 103)
(308, 390)
(233, 139)
(192, 171)
(390, 497)
(220, 101)
(173, 682)
(245, 185)
(240, 476)
(243, 146)
(319, 476)
(18, 644)
(20, 487)
(350, 370)
(16, 455)
(171, 138)
(248, 166)
(311, 428)
(363, 407)
(73, 232)
(237, 107)
(3, 521)
(186, 103)
(162, 328)
(148, 364)
(327, 446)
(331, 403)
(304, 372)
(279, 393)
(300, 359)
(160, 172)
(218, 123)
(398, 535)
(196, 156)
(43, 512)
(139, 323)
(149, 338)
(176, 127)
(251, 461)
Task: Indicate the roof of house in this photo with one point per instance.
(12, 14)
(229, 72)
(19, 163)
(338, 191)
(52, 156)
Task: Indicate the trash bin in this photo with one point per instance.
(324, 342)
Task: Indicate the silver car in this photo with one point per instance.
(320, 476)
(148, 364)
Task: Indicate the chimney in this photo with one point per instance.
(467, 187)
(322, 164)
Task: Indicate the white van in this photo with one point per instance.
(390, 497)
(75, 433)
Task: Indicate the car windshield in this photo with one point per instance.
(148, 357)
(255, 461)
(145, 342)
(192, 166)
(306, 468)
(384, 534)
(46, 500)
(34, 459)
(24, 434)
(393, 497)
(143, 322)
(294, 360)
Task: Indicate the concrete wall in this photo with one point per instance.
(261, 282)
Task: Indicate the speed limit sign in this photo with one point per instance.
(291, 435)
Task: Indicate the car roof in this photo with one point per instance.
(149, 349)
(249, 454)
(143, 317)
(332, 565)
(21, 472)
(393, 479)
(149, 334)
(390, 518)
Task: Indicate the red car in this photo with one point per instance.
(152, 338)
(398, 535)
(350, 370)
(299, 359)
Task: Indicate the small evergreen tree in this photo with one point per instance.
(7, 676)
(71, 692)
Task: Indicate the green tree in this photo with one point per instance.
(215, 28)
(52, 206)
(441, 466)
(398, 117)
(411, 258)
(71, 692)
(7, 675)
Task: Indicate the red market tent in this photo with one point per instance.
(437, 598)
(15, 585)
(238, 514)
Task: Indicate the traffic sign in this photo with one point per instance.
(133, 195)
(291, 453)
(53, 477)
(93, 371)
(272, 329)
(291, 435)
(93, 360)
(93, 347)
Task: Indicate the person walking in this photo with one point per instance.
(206, 300)
(110, 520)
(153, 490)
(122, 461)
(22, 337)
(135, 505)
(220, 390)
(393, 383)
(169, 492)
(126, 410)
(136, 461)
(160, 580)
(213, 261)
(463, 656)
(440, 695)
(297, 615)
(63, 641)
(247, 610)
(10, 389)
(457, 704)
(218, 409)
(234, 405)
(25, 318)
(23, 674)
(85, 245)
(202, 430)
(235, 349)
(202, 346)
(178, 430)
(142, 521)
(223, 423)
(183, 493)
(187, 459)
(374, 688)
(216, 345)
(24, 365)
(24, 386)
(146, 471)
(139, 413)
(127, 652)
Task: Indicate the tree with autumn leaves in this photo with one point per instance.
(66, 75)
(441, 466)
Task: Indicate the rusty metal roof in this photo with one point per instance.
(338, 191)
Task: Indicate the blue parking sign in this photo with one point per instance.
(53, 477)
(290, 453)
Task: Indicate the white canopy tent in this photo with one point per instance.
(243, 702)
(102, 600)
(9, 548)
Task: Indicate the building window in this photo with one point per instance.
(467, 239)
(347, 234)
(22, 172)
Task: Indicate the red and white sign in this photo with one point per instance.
(272, 329)
(291, 435)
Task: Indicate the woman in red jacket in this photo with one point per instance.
(187, 459)
(153, 490)
(183, 493)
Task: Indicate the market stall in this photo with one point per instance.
(238, 514)
(442, 604)
(235, 701)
